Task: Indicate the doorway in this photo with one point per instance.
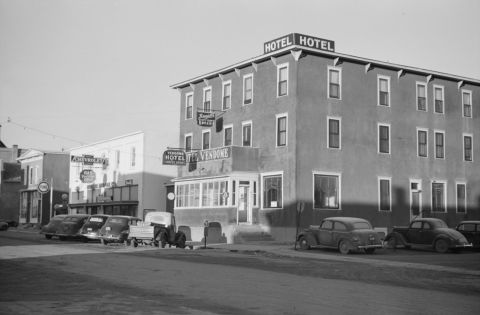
(244, 210)
(415, 199)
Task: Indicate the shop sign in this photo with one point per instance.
(300, 40)
(104, 199)
(43, 187)
(205, 119)
(209, 155)
(87, 176)
(174, 157)
(88, 159)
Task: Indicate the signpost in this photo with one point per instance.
(43, 187)
(300, 208)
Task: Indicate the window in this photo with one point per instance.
(416, 225)
(339, 226)
(189, 106)
(132, 157)
(282, 80)
(227, 95)
(422, 142)
(461, 198)
(439, 144)
(205, 139)
(30, 176)
(438, 197)
(327, 225)
(272, 191)
(383, 90)
(384, 194)
(281, 130)
(326, 191)
(205, 194)
(117, 158)
(334, 82)
(421, 96)
(207, 99)
(213, 193)
(333, 141)
(467, 103)
(247, 134)
(438, 96)
(248, 89)
(384, 138)
(188, 142)
(467, 148)
(227, 135)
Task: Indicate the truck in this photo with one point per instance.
(427, 232)
(158, 229)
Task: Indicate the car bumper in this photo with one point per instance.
(463, 245)
(111, 238)
(369, 246)
(91, 236)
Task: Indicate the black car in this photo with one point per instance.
(471, 231)
(71, 225)
(91, 229)
(50, 229)
(116, 229)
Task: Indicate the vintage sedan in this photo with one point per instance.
(344, 233)
(50, 229)
(427, 232)
(91, 228)
(116, 229)
(471, 231)
(71, 225)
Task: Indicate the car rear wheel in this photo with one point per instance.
(392, 242)
(441, 246)
(344, 247)
(181, 241)
(302, 241)
(163, 239)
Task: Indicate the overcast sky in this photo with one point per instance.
(77, 72)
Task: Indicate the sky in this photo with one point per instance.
(79, 72)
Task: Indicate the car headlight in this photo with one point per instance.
(355, 239)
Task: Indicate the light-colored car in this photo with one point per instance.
(343, 233)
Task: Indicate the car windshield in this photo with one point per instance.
(361, 226)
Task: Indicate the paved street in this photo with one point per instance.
(54, 277)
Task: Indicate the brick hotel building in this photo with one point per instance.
(344, 135)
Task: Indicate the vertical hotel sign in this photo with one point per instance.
(300, 40)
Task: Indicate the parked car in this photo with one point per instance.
(3, 226)
(91, 229)
(427, 232)
(115, 230)
(471, 231)
(50, 229)
(71, 225)
(344, 233)
(159, 228)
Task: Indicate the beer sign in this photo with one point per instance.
(87, 176)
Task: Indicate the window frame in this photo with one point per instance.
(469, 92)
(444, 183)
(464, 184)
(205, 131)
(418, 130)
(380, 179)
(262, 189)
(277, 131)
(245, 77)
(205, 90)
(279, 68)
(442, 88)
(187, 95)
(339, 177)
(425, 85)
(133, 156)
(188, 135)
(442, 132)
(379, 125)
(244, 124)
(339, 119)
(339, 70)
(379, 78)
(464, 136)
(224, 84)
(229, 126)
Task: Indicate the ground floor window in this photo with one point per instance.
(272, 191)
(438, 197)
(384, 194)
(326, 191)
(461, 198)
(212, 193)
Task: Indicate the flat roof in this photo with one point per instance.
(333, 55)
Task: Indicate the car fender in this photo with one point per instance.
(398, 236)
(447, 238)
(311, 239)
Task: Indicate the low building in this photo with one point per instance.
(302, 127)
(119, 176)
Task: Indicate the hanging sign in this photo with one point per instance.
(87, 176)
(43, 187)
(174, 157)
(205, 119)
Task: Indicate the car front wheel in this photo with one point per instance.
(441, 246)
(344, 247)
(303, 243)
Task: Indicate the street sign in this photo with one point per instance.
(43, 187)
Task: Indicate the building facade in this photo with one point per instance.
(303, 127)
(50, 168)
(11, 181)
(119, 176)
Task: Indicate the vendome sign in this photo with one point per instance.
(209, 155)
(300, 40)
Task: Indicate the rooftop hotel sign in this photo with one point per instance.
(300, 40)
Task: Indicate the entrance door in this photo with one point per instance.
(244, 210)
(415, 199)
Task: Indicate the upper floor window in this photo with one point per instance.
(467, 148)
(117, 158)
(132, 157)
(227, 135)
(188, 142)
(383, 138)
(438, 96)
(227, 95)
(189, 106)
(248, 89)
(247, 134)
(30, 176)
(333, 133)
(326, 191)
(467, 103)
(384, 90)
(282, 80)
(207, 99)
(281, 130)
(334, 82)
(421, 96)
(439, 144)
(422, 142)
(205, 139)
